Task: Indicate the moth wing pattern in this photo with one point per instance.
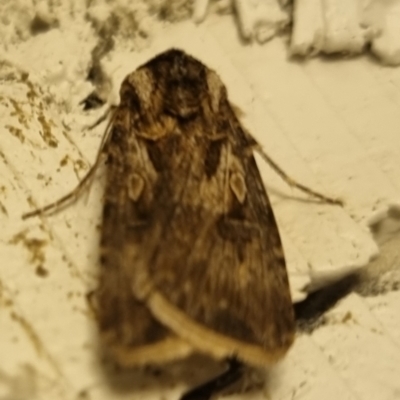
(187, 221)
(131, 335)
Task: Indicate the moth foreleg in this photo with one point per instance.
(74, 194)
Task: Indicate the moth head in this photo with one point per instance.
(182, 79)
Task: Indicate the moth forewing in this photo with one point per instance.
(130, 334)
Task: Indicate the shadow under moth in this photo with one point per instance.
(191, 255)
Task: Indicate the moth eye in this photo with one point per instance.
(136, 186)
(238, 186)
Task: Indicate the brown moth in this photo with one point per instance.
(191, 255)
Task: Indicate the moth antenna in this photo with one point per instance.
(74, 194)
(206, 390)
(291, 182)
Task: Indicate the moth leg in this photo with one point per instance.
(73, 194)
(52, 207)
(103, 117)
(206, 390)
(293, 183)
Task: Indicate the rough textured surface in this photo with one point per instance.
(332, 125)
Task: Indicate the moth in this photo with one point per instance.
(192, 260)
